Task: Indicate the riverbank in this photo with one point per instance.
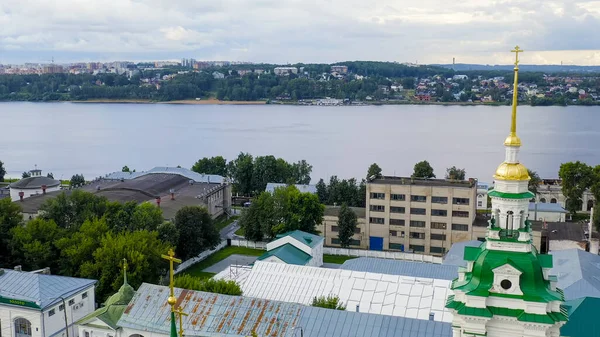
(188, 101)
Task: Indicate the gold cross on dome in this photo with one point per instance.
(171, 258)
(180, 313)
(517, 50)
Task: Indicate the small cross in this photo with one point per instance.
(125, 270)
(180, 313)
(171, 258)
(517, 50)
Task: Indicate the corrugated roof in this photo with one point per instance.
(578, 273)
(394, 295)
(583, 318)
(405, 268)
(40, 288)
(35, 183)
(197, 177)
(223, 315)
(113, 309)
(308, 239)
(288, 254)
(456, 254)
(302, 188)
(546, 207)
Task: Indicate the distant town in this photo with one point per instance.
(346, 83)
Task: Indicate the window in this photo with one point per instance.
(397, 222)
(415, 223)
(460, 214)
(439, 212)
(377, 208)
(87, 334)
(553, 201)
(480, 203)
(418, 211)
(354, 242)
(441, 237)
(393, 233)
(335, 241)
(414, 235)
(51, 312)
(356, 230)
(61, 307)
(335, 229)
(457, 227)
(377, 195)
(460, 201)
(397, 246)
(438, 225)
(398, 197)
(437, 250)
(418, 198)
(71, 301)
(439, 200)
(379, 221)
(417, 248)
(84, 295)
(394, 209)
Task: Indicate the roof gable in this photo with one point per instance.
(289, 254)
(308, 239)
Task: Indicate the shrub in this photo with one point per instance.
(209, 285)
(329, 302)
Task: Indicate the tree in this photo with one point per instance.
(240, 170)
(455, 173)
(50, 175)
(322, 192)
(78, 248)
(2, 171)
(70, 211)
(423, 170)
(125, 169)
(346, 225)
(301, 172)
(25, 175)
(329, 302)
(168, 233)
(305, 212)
(77, 180)
(374, 171)
(534, 182)
(33, 245)
(576, 178)
(142, 249)
(214, 165)
(225, 287)
(146, 216)
(197, 232)
(10, 217)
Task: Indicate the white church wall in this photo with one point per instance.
(28, 192)
(8, 315)
(79, 308)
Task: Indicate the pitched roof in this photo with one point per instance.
(302, 188)
(405, 268)
(288, 254)
(41, 289)
(571, 231)
(308, 239)
(223, 315)
(191, 175)
(113, 309)
(583, 318)
(35, 183)
(456, 254)
(578, 273)
(546, 207)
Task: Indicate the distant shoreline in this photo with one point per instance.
(187, 101)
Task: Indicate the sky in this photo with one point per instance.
(310, 31)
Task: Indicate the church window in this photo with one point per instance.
(506, 284)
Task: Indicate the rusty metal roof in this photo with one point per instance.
(222, 315)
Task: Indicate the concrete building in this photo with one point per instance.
(419, 215)
(297, 247)
(569, 235)
(330, 232)
(339, 69)
(550, 191)
(36, 184)
(39, 305)
(482, 199)
(281, 71)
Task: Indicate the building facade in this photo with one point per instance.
(419, 215)
(330, 231)
(482, 199)
(35, 184)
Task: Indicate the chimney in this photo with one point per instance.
(431, 316)
(158, 201)
(18, 268)
(357, 307)
(21, 195)
(44, 189)
(172, 191)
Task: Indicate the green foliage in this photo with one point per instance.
(78, 248)
(346, 225)
(33, 245)
(70, 211)
(374, 171)
(534, 182)
(342, 191)
(2, 171)
(214, 165)
(208, 285)
(10, 217)
(285, 210)
(240, 170)
(168, 233)
(146, 216)
(25, 175)
(197, 232)
(596, 217)
(125, 169)
(455, 173)
(50, 175)
(423, 170)
(77, 180)
(329, 302)
(576, 178)
(142, 249)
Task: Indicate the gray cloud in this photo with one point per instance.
(302, 30)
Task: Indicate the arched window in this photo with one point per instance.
(22, 327)
(543, 200)
(553, 201)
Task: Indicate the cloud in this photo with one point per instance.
(430, 31)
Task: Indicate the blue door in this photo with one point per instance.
(375, 243)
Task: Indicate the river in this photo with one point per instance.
(95, 139)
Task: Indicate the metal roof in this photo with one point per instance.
(405, 268)
(456, 254)
(288, 254)
(578, 273)
(40, 288)
(191, 175)
(223, 315)
(35, 183)
(394, 295)
(302, 188)
(583, 320)
(546, 207)
(308, 239)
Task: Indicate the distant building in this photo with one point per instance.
(339, 69)
(329, 228)
(36, 184)
(482, 199)
(302, 188)
(282, 71)
(297, 247)
(218, 75)
(460, 77)
(546, 212)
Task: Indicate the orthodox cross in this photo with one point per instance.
(171, 257)
(180, 313)
(517, 50)
(125, 270)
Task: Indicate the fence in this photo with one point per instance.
(248, 244)
(188, 263)
(382, 255)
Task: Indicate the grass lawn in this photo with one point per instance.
(339, 259)
(197, 269)
(240, 232)
(222, 221)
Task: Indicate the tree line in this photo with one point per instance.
(578, 177)
(84, 235)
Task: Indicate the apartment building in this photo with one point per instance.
(420, 215)
(329, 228)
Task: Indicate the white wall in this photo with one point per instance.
(8, 315)
(56, 322)
(14, 192)
(317, 255)
(547, 216)
(482, 198)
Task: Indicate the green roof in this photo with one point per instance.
(521, 315)
(524, 195)
(479, 281)
(583, 317)
(308, 239)
(114, 307)
(288, 254)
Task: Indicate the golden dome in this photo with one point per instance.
(511, 171)
(512, 140)
(171, 300)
